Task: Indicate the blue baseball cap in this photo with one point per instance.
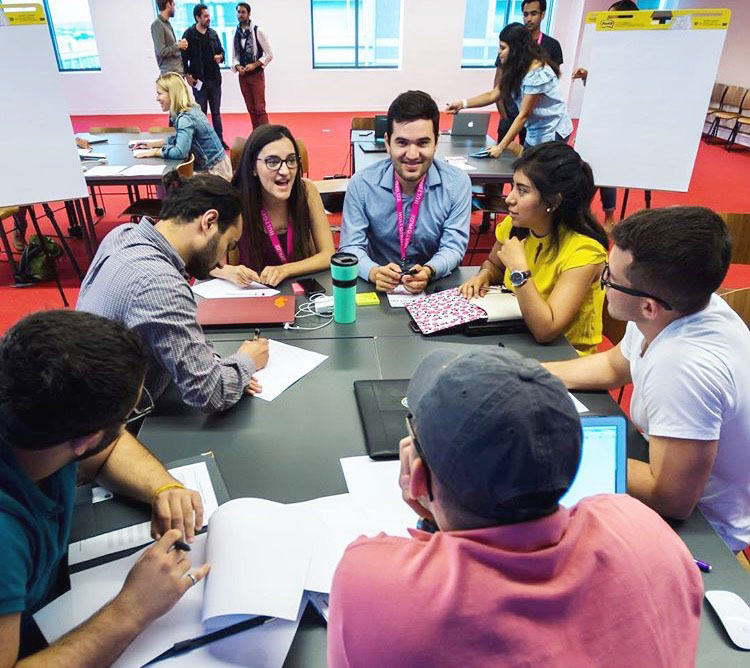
(494, 426)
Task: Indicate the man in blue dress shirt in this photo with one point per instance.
(407, 217)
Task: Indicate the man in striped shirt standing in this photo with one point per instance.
(138, 277)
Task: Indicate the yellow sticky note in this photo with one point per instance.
(367, 298)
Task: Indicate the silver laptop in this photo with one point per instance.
(471, 125)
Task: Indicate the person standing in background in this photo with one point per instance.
(251, 55)
(201, 61)
(166, 47)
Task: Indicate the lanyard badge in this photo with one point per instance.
(405, 233)
(275, 238)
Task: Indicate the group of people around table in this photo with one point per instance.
(508, 576)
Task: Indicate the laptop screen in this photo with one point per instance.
(603, 459)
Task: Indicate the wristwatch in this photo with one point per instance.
(431, 271)
(519, 278)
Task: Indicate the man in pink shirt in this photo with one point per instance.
(510, 578)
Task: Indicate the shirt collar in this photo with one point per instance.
(522, 537)
(433, 176)
(148, 231)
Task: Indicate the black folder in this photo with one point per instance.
(382, 409)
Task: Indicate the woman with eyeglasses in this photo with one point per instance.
(550, 250)
(285, 228)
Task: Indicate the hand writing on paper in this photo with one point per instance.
(256, 350)
(177, 508)
(157, 581)
(238, 274)
(273, 275)
(254, 387)
(386, 278)
(512, 255)
(407, 455)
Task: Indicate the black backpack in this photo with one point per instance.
(35, 266)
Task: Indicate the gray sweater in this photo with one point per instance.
(165, 47)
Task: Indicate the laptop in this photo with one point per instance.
(377, 146)
(604, 464)
(246, 311)
(470, 125)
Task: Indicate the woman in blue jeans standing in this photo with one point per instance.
(530, 78)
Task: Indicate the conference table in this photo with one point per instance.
(288, 450)
(485, 170)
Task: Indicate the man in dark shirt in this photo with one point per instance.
(201, 62)
(533, 15)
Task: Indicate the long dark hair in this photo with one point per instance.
(523, 51)
(254, 239)
(566, 184)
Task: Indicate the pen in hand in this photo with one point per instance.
(180, 545)
(256, 334)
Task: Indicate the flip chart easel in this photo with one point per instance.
(42, 163)
(649, 85)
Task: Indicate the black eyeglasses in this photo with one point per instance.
(143, 408)
(273, 162)
(605, 282)
(413, 436)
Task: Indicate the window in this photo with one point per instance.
(356, 33)
(223, 21)
(483, 22)
(72, 34)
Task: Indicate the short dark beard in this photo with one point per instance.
(204, 261)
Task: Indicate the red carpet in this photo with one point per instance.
(719, 181)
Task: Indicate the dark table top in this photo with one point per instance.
(288, 450)
(119, 154)
(488, 170)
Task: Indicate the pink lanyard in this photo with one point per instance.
(275, 238)
(539, 39)
(404, 236)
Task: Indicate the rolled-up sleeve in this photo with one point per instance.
(354, 225)
(164, 314)
(455, 237)
(177, 146)
(267, 56)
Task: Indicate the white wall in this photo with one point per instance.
(431, 58)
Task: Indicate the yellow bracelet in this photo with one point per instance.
(164, 488)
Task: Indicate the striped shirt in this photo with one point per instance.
(138, 278)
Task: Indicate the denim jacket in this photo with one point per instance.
(194, 135)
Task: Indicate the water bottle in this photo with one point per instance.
(344, 275)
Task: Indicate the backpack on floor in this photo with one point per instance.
(35, 266)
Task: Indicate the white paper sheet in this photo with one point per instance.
(399, 297)
(262, 647)
(193, 476)
(374, 486)
(104, 170)
(286, 365)
(259, 553)
(580, 407)
(459, 161)
(144, 170)
(218, 288)
(340, 521)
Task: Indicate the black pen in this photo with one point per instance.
(256, 336)
(181, 545)
(410, 272)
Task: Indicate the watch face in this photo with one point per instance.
(518, 278)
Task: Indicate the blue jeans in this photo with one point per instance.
(609, 198)
(210, 95)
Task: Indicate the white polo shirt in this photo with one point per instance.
(693, 382)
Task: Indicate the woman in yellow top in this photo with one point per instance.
(550, 250)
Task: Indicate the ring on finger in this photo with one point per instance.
(192, 578)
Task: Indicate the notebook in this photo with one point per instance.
(372, 147)
(473, 125)
(246, 311)
(382, 409)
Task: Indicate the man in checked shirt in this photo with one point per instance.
(138, 277)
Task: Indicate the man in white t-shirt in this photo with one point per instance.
(686, 353)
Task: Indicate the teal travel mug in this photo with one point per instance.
(344, 275)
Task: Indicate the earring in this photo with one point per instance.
(549, 209)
